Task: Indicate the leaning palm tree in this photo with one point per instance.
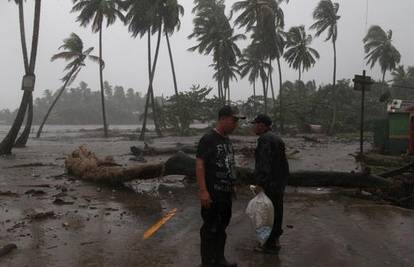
(326, 17)
(379, 48)
(95, 12)
(27, 100)
(73, 52)
(299, 54)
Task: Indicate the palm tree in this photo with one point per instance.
(170, 12)
(27, 100)
(74, 53)
(144, 17)
(379, 48)
(402, 80)
(299, 54)
(262, 17)
(95, 12)
(253, 65)
(215, 35)
(326, 17)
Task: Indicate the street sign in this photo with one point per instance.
(28, 82)
(362, 82)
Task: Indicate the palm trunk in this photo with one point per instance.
(105, 125)
(144, 122)
(225, 94)
(264, 95)
(22, 140)
(218, 89)
(23, 37)
(27, 71)
(153, 103)
(150, 89)
(172, 63)
(271, 82)
(300, 74)
(39, 132)
(229, 99)
(334, 100)
(280, 97)
(383, 75)
(8, 142)
(254, 97)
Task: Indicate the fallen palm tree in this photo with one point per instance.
(85, 165)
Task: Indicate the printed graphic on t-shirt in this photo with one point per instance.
(225, 163)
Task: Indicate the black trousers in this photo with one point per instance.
(213, 231)
(276, 196)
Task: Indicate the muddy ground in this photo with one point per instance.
(90, 225)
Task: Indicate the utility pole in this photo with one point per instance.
(362, 83)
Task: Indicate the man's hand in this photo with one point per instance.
(205, 199)
(256, 189)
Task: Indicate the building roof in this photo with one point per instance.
(401, 106)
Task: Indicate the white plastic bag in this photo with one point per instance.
(261, 213)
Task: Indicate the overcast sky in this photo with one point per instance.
(125, 57)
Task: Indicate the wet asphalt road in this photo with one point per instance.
(102, 226)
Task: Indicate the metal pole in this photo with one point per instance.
(361, 140)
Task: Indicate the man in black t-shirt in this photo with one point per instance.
(215, 166)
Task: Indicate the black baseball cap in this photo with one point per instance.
(262, 118)
(228, 111)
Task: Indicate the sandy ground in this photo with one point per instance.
(102, 226)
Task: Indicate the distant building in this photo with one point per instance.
(393, 134)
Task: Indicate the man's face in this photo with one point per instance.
(230, 123)
(259, 128)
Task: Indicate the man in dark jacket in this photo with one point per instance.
(271, 172)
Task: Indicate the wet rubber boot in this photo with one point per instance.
(221, 260)
(207, 250)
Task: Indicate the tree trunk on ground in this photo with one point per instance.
(22, 140)
(335, 104)
(8, 142)
(105, 125)
(86, 166)
(172, 63)
(282, 123)
(150, 89)
(39, 132)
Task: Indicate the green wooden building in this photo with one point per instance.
(392, 134)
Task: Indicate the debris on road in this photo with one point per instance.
(7, 249)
